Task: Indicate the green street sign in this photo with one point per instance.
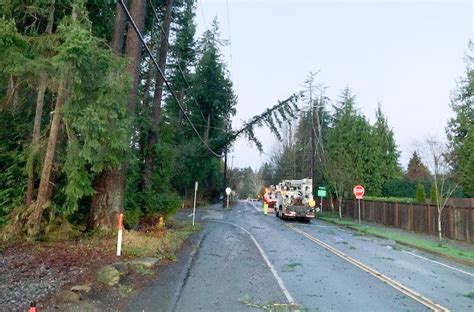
(322, 193)
(323, 188)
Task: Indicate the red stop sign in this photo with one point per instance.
(358, 191)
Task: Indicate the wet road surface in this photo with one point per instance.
(245, 261)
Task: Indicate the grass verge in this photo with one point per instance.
(451, 252)
(156, 242)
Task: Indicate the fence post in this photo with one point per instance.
(396, 215)
(384, 216)
(468, 225)
(430, 221)
(364, 217)
(450, 223)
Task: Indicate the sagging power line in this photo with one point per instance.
(150, 54)
(163, 33)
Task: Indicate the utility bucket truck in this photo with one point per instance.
(295, 199)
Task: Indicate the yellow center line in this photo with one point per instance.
(398, 286)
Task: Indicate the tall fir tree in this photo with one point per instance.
(460, 128)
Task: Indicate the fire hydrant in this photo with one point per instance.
(265, 208)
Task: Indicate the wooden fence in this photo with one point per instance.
(457, 222)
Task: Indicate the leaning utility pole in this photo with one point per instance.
(313, 131)
(225, 169)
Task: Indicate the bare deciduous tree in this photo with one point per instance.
(434, 153)
(258, 183)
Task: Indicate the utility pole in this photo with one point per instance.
(313, 131)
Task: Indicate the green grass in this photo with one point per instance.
(160, 244)
(124, 290)
(143, 270)
(403, 238)
(470, 295)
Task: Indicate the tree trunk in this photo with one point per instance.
(159, 81)
(133, 50)
(110, 184)
(440, 236)
(118, 32)
(340, 208)
(38, 114)
(36, 137)
(108, 201)
(208, 129)
(44, 191)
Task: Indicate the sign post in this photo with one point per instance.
(359, 194)
(227, 191)
(194, 206)
(322, 193)
(119, 238)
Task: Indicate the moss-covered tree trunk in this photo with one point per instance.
(110, 185)
(38, 114)
(108, 200)
(44, 190)
(36, 138)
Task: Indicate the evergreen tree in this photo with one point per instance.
(386, 146)
(211, 107)
(87, 127)
(420, 194)
(460, 129)
(416, 170)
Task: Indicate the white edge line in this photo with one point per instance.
(264, 256)
(251, 203)
(445, 265)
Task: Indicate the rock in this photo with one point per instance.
(108, 275)
(122, 267)
(81, 288)
(147, 262)
(67, 296)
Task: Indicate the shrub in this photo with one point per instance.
(403, 200)
(420, 194)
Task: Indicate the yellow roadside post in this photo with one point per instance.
(265, 208)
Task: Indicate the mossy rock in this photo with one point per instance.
(122, 267)
(108, 275)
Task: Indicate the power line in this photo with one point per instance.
(140, 36)
(202, 12)
(179, 66)
(230, 41)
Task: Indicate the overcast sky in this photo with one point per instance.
(407, 55)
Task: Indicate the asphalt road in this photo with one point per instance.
(245, 261)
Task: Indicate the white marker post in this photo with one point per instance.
(194, 207)
(119, 238)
